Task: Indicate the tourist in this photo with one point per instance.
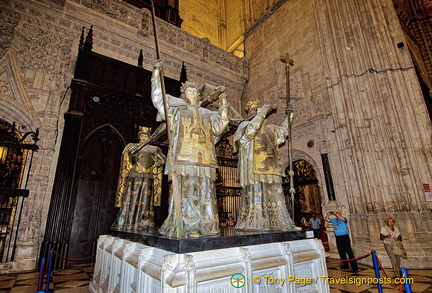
(390, 234)
(343, 242)
(315, 224)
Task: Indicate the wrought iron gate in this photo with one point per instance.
(14, 155)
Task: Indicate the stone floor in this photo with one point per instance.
(67, 281)
(422, 280)
(76, 280)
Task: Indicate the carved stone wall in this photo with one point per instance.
(356, 95)
(38, 50)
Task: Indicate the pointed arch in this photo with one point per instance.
(99, 128)
(307, 183)
(14, 99)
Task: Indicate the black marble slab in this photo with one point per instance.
(229, 237)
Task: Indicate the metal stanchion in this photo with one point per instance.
(41, 275)
(377, 270)
(407, 284)
(50, 259)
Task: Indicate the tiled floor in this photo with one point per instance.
(67, 281)
(422, 280)
(76, 281)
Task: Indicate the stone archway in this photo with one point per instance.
(308, 195)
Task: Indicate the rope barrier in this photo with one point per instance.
(46, 271)
(379, 265)
(385, 274)
(352, 259)
(71, 259)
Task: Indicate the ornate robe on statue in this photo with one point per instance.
(262, 204)
(139, 187)
(193, 132)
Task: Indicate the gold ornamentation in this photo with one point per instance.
(144, 130)
(287, 59)
(252, 104)
(187, 84)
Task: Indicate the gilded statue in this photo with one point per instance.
(140, 184)
(194, 130)
(262, 203)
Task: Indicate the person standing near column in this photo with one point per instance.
(343, 242)
(390, 234)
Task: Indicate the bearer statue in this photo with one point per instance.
(262, 203)
(139, 184)
(192, 159)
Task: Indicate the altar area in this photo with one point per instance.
(230, 262)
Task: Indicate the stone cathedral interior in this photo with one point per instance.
(75, 87)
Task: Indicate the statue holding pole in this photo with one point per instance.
(192, 157)
(175, 197)
(262, 204)
(191, 163)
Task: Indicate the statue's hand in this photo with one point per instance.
(158, 64)
(221, 89)
(223, 99)
(224, 105)
(273, 107)
(267, 108)
(159, 161)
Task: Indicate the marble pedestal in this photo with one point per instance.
(127, 262)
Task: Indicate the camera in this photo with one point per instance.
(332, 212)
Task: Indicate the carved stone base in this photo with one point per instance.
(289, 266)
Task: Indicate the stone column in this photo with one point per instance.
(381, 122)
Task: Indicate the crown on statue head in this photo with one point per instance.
(144, 130)
(252, 104)
(187, 84)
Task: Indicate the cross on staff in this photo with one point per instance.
(288, 61)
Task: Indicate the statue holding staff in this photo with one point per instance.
(193, 131)
(262, 203)
(139, 184)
